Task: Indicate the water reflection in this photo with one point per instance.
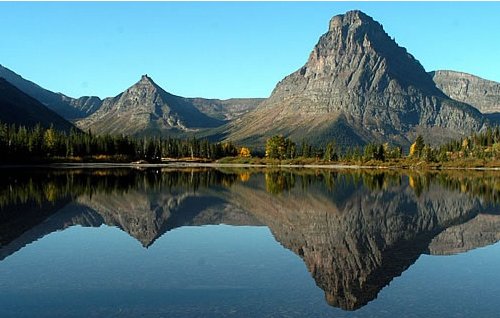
(354, 230)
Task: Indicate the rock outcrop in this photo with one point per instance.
(358, 86)
(473, 90)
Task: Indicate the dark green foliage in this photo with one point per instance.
(279, 147)
(484, 145)
(21, 144)
(374, 152)
(331, 152)
(306, 149)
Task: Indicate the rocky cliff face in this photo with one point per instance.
(145, 108)
(358, 85)
(86, 105)
(470, 89)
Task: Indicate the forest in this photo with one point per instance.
(20, 144)
(479, 146)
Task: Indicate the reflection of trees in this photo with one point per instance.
(484, 185)
(41, 185)
(277, 182)
(480, 184)
(355, 229)
(38, 187)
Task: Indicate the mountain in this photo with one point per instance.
(357, 86)
(228, 109)
(18, 108)
(67, 107)
(473, 90)
(145, 108)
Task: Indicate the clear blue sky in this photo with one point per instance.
(223, 50)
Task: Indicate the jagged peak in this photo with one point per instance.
(145, 79)
(352, 18)
(146, 83)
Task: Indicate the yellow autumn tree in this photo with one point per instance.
(49, 140)
(245, 176)
(465, 144)
(245, 152)
(417, 147)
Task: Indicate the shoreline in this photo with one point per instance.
(110, 165)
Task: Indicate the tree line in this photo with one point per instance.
(24, 144)
(281, 148)
(19, 144)
(482, 145)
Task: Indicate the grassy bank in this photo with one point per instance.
(402, 163)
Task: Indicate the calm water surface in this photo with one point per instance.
(248, 243)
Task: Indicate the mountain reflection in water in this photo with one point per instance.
(355, 230)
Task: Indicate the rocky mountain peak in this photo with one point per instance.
(146, 107)
(145, 79)
(145, 83)
(355, 43)
(352, 19)
(358, 85)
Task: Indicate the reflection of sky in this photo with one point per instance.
(207, 264)
(463, 285)
(216, 270)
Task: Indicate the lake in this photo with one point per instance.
(202, 242)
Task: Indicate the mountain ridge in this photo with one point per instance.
(17, 107)
(67, 107)
(478, 92)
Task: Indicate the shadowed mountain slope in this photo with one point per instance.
(18, 108)
(67, 107)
